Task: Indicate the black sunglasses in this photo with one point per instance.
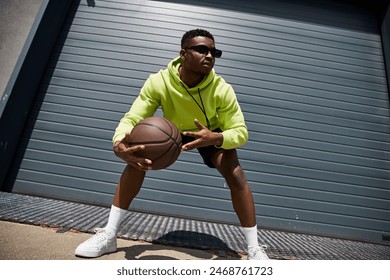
(202, 49)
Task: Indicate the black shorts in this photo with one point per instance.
(205, 152)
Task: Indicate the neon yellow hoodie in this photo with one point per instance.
(166, 90)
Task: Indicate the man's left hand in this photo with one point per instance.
(203, 138)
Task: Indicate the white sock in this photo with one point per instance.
(115, 219)
(251, 237)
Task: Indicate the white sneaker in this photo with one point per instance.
(258, 253)
(103, 242)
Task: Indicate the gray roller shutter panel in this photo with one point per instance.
(311, 82)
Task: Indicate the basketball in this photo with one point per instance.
(161, 138)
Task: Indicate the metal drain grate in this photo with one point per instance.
(183, 232)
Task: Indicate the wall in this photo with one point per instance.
(385, 29)
(16, 17)
(36, 41)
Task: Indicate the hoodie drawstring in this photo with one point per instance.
(201, 106)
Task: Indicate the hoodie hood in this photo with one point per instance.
(173, 69)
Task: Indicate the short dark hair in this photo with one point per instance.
(195, 33)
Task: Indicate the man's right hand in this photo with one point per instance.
(128, 154)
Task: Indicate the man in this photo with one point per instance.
(205, 109)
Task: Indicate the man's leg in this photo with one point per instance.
(128, 187)
(226, 162)
(104, 241)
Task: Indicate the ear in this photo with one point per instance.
(183, 54)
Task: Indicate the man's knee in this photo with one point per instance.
(228, 164)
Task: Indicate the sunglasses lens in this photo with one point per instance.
(205, 50)
(217, 53)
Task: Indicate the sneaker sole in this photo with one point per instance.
(94, 254)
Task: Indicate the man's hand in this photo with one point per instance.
(128, 154)
(203, 138)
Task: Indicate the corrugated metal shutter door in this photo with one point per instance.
(311, 82)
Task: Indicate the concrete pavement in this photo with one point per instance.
(30, 242)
